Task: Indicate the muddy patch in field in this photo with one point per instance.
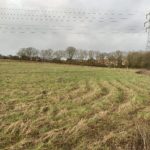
(143, 71)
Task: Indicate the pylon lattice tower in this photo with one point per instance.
(147, 27)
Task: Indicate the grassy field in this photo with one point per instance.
(61, 107)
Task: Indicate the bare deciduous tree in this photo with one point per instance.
(81, 55)
(70, 53)
(119, 58)
(58, 54)
(47, 54)
(91, 55)
(29, 52)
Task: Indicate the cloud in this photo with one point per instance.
(117, 24)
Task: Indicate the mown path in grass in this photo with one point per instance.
(49, 106)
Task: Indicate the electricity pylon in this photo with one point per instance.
(147, 27)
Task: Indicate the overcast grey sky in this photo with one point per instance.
(104, 25)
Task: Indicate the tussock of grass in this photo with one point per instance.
(49, 106)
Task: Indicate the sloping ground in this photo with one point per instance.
(48, 106)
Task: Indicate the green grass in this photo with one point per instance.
(49, 106)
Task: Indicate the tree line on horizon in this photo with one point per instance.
(138, 59)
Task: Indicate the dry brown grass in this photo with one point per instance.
(60, 107)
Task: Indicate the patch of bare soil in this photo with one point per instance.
(143, 71)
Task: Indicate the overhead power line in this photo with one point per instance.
(37, 20)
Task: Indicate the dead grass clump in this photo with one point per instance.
(39, 97)
(144, 114)
(62, 112)
(23, 144)
(96, 117)
(125, 108)
(135, 138)
(32, 132)
(20, 107)
(79, 129)
(142, 139)
(102, 114)
(108, 137)
(16, 128)
(72, 135)
(50, 136)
